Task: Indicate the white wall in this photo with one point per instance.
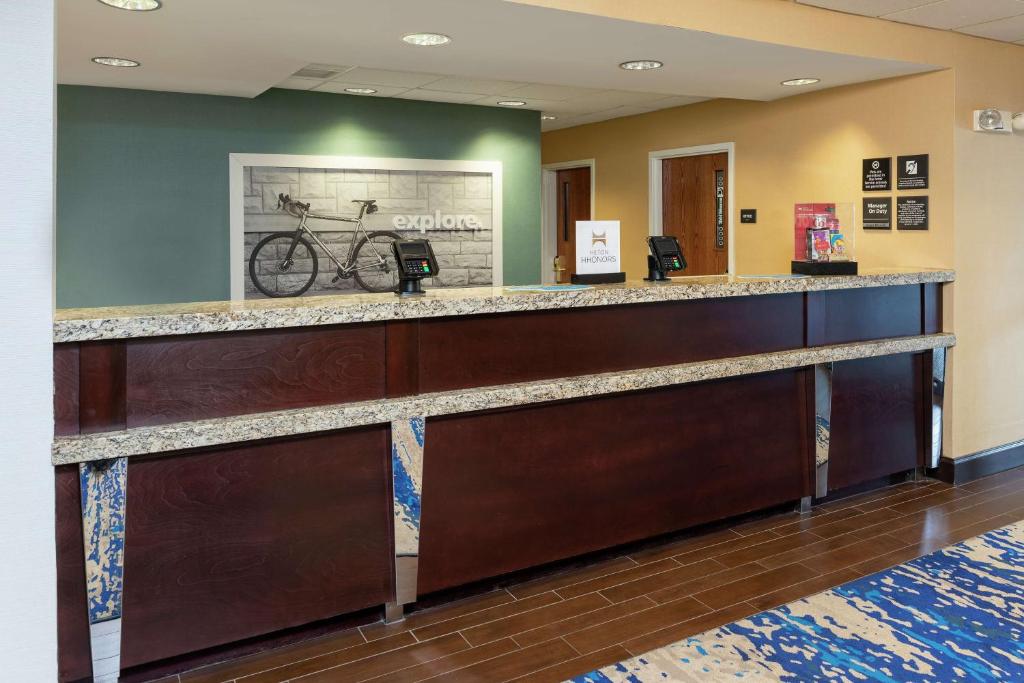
(28, 622)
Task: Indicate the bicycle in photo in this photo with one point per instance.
(286, 264)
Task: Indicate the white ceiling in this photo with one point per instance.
(571, 106)
(559, 62)
(996, 19)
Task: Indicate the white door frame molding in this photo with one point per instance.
(549, 210)
(237, 163)
(654, 188)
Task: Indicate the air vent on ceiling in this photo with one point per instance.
(312, 72)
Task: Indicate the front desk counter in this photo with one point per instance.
(229, 470)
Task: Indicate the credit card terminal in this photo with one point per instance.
(416, 261)
(666, 257)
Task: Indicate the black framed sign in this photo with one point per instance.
(748, 215)
(719, 209)
(877, 212)
(912, 172)
(877, 174)
(912, 213)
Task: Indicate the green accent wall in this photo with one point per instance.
(142, 178)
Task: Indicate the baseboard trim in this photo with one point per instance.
(981, 464)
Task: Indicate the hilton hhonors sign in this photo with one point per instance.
(597, 247)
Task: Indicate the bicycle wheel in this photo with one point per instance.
(376, 270)
(275, 273)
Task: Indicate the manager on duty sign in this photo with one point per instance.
(597, 247)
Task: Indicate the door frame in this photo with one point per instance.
(549, 210)
(655, 209)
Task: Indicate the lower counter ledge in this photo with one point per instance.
(203, 433)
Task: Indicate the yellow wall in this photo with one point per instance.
(987, 365)
(800, 149)
(977, 190)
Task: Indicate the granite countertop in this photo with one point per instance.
(140, 441)
(89, 324)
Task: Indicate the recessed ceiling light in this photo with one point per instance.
(360, 91)
(134, 5)
(512, 103)
(641, 65)
(426, 39)
(801, 81)
(547, 117)
(114, 61)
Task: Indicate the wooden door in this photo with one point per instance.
(695, 208)
(573, 190)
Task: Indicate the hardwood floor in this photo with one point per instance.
(575, 620)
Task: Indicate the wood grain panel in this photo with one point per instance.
(73, 655)
(517, 488)
(689, 210)
(482, 350)
(173, 379)
(65, 389)
(101, 397)
(573, 204)
(852, 315)
(878, 418)
(225, 544)
(403, 347)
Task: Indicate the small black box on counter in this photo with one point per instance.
(824, 268)
(597, 278)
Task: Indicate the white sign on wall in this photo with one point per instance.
(597, 247)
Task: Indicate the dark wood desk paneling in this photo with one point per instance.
(511, 489)
(65, 389)
(931, 309)
(101, 386)
(231, 543)
(172, 379)
(852, 315)
(73, 655)
(878, 418)
(403, 349)
(483, 350)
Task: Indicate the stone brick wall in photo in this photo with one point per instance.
(464, 255)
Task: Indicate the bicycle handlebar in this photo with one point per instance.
(292, 206)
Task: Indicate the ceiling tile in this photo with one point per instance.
(1010, 30)
(949, 14)
(612, 98)
(557, 93)
(564, 108)
(398, 79)
(675, 101)
(870, 8)
(538, 105)
(474, 85)
(321, 71)
(438, 96)
(296, 83)
(339, 87)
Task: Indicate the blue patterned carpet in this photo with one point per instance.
(954, 615)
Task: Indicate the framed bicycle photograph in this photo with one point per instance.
(304, 225)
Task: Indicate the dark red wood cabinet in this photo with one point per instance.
(228, 543)
(511, 489)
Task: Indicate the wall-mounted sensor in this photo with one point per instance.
(992, 121)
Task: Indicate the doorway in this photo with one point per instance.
(568, 197)
(691, 200)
